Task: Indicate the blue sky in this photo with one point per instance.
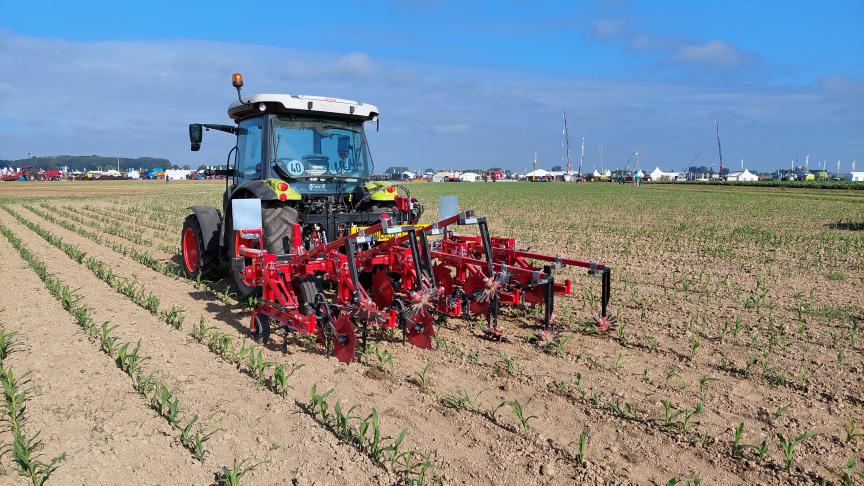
(458, 83)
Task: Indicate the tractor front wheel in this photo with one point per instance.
(197, 261)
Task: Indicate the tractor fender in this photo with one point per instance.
(210, 220)
(258, 189)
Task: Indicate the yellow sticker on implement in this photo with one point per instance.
(382, 237)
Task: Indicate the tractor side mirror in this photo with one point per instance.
(195, 136)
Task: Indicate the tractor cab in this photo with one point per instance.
(308, 161)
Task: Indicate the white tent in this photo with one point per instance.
(538, 173)
(744, 176)
(856, 176)
(596, 174)
(468, 177)
(175, 174)
(659, 175)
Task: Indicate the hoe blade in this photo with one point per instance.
(420, 330)
(604, 324)
(344, 339)
(382, 289)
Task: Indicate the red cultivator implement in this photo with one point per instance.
(401, 277)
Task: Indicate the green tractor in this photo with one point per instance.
(307, 160)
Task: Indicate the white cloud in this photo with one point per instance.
(135, 99)
(715, 53)
(607, 28)
(451, 128)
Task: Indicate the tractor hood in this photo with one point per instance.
(300, 104)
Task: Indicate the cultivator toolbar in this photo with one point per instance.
(401, 277)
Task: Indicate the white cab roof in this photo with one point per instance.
(304, 104)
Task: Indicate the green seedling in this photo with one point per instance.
(318, 402)
(583, 445)
(508, 364)
(281, 377)
(173, 317)
(421, 378)
(461, 400)
(231, 476)
(520, 414)
(703, 385)
(669, 414)
(166, 404)
(626, 411)
(688, 415)
(780, 411)
(106, 341)
(257, 366)
(343, 420)
(130, 361)
(851, 431)
(736, 440)
(788, 444)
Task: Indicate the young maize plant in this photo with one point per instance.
(788, 444)
(279, 381)
(231, 476)
(130, 361)
(166, 404)
(461, 400)
(583, 446)
(195, 442)
(257, 366)
(736, 440)
(422, 379)
(508, 364)
(688, 415)
(519, 412)
(15, 392)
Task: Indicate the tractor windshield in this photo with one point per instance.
(321, 149)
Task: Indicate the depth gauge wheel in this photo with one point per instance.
(261, 333)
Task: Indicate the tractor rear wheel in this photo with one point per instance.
(278, 221)
(197, 261)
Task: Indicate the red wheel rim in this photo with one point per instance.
(382, 289)
(190, 250)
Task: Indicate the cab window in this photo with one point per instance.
(249, 135)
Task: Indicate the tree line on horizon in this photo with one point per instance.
(89, 162)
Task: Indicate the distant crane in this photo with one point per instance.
(719, 150)
(534, 167)
(566, 143)
(581, 155)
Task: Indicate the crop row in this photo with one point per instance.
(25, 445)
(248, 359)
(126, 355)
(168, 269)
